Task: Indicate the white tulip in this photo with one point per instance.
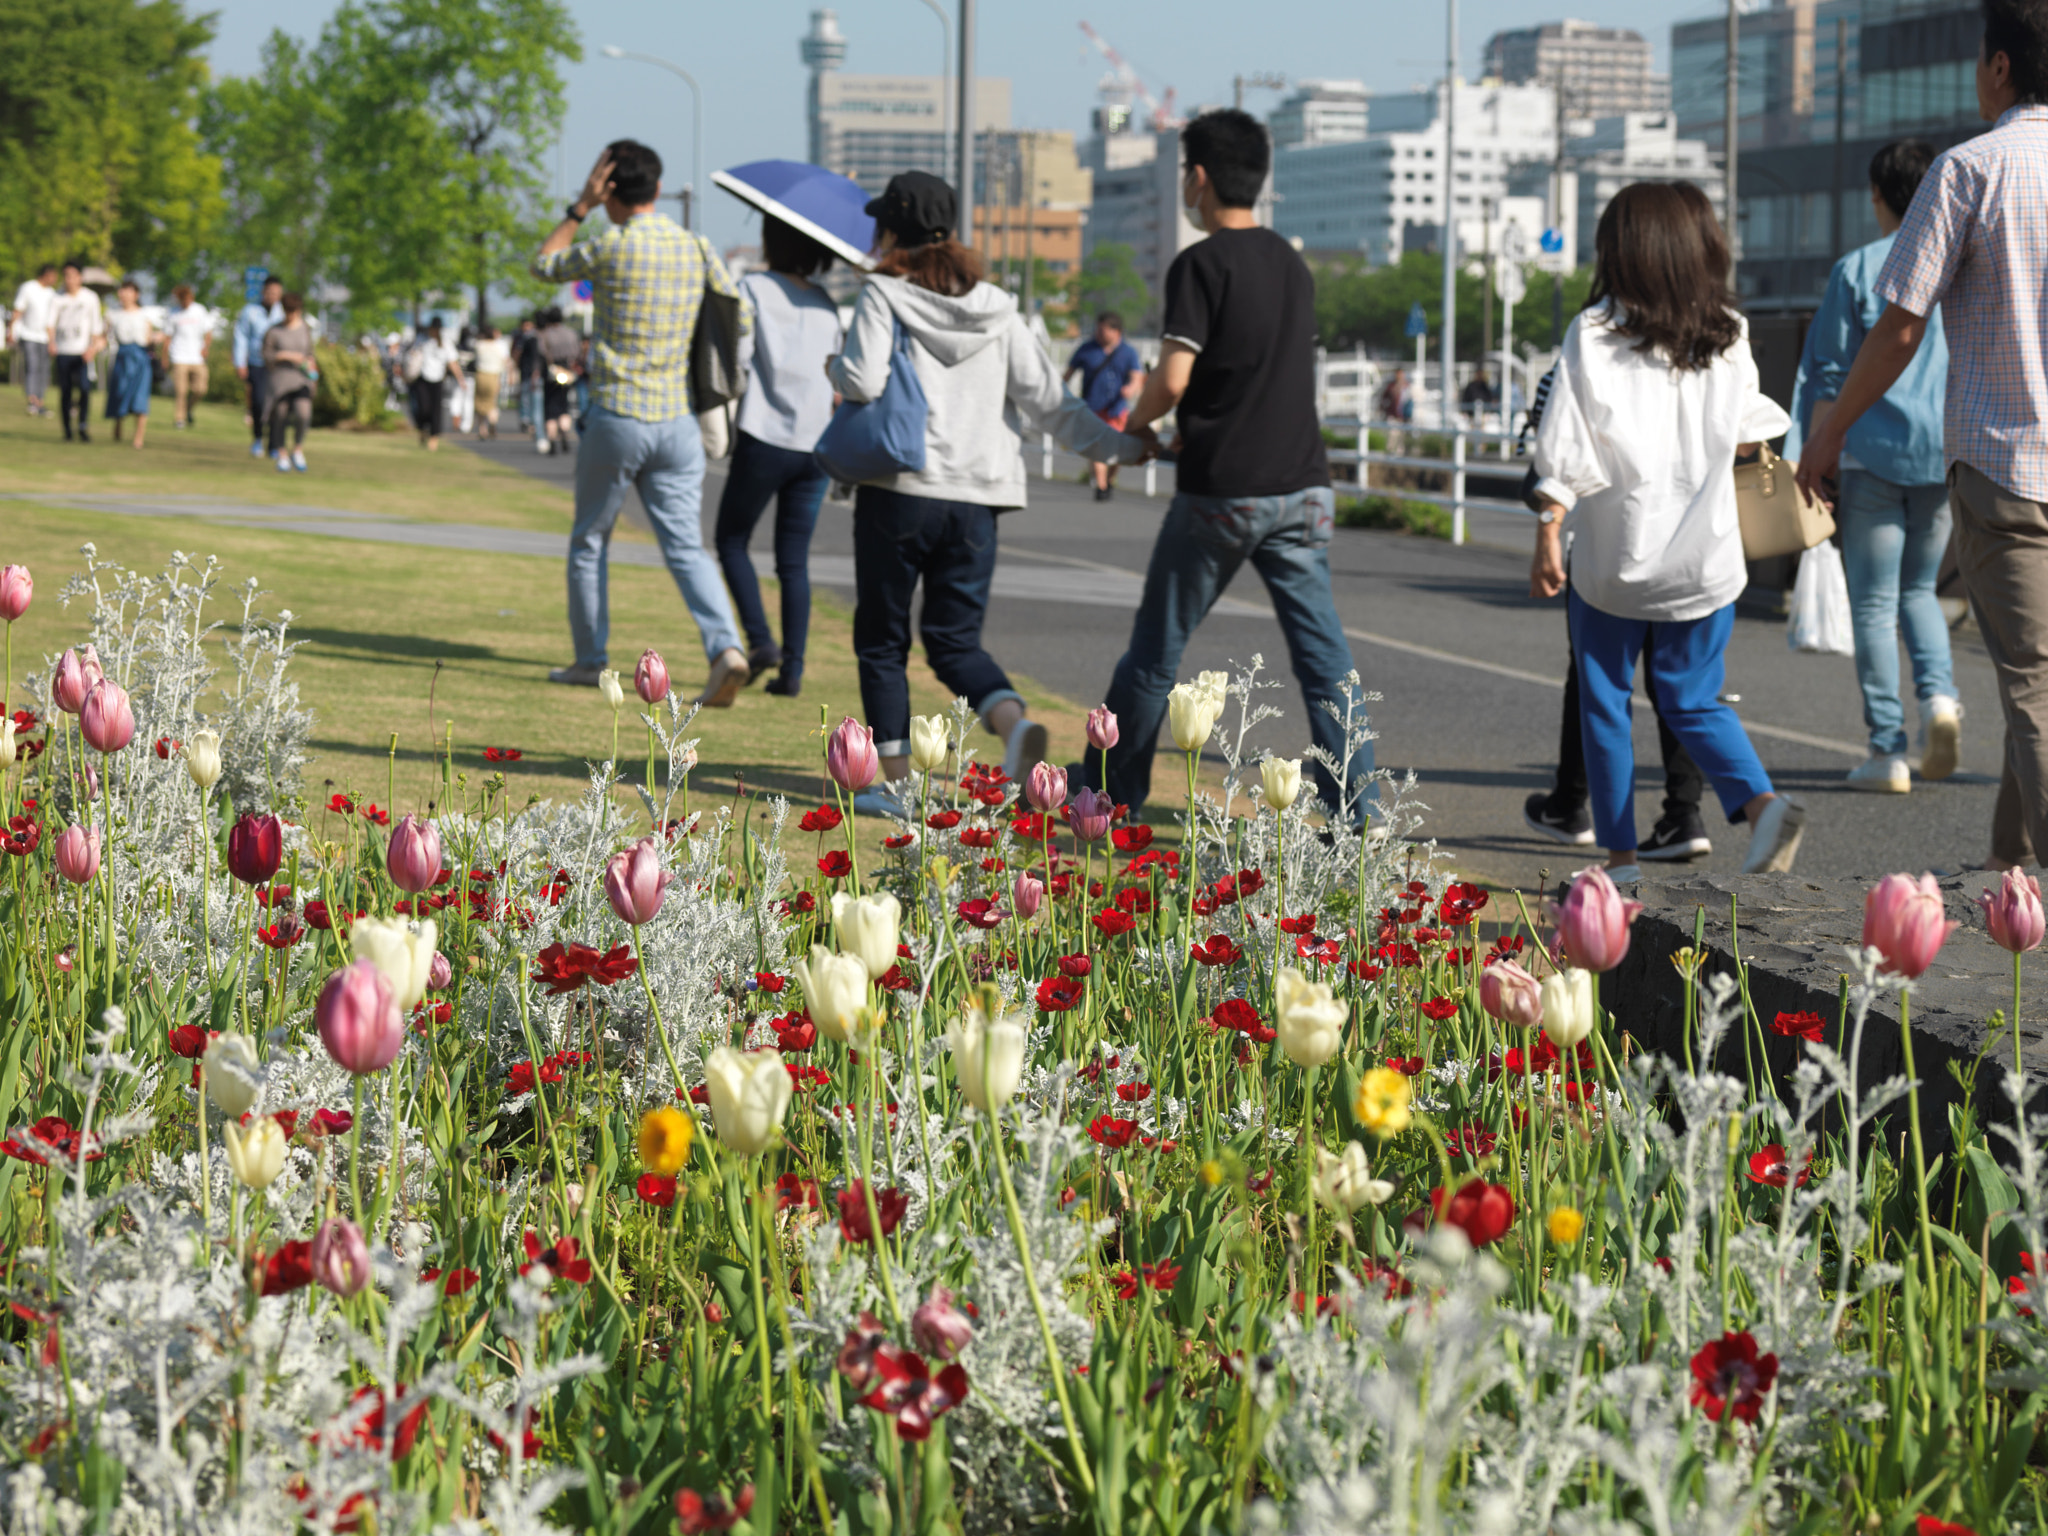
(928, 743)
(232, 1074)
(404, 952)
(7, 749)
(255, 1151)
(749, 1096)
(835, 990)
(608, 685)
(1568, 1007)
(1191, 714)
(1281, 777)
(202, 758)
(988, 1051)
(867, 926)
(1216, 685)
(1309, 1021)
(1345, 1183)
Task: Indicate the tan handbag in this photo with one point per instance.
(1777, 517)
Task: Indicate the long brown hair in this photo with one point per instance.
(944, 266)
(1660, 257)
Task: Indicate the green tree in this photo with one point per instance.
(270, 130)
(99, 155)
(1370, 305)
(1109, 279)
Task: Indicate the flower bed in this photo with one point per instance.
(634, 1165)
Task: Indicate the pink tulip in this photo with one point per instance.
(1592, 921)
(341, 1259)
(439, 973)
(89, 785)
(1046, 786)
(1904, 920)
(650, 678)
(78, 854)
(105, 719)
(1511, 995)
(357, 1015)
(850, 756)
(413, 857)
(1090, 815)
(2014, 915)
(634, 881)
(76, 675)
(1026, 894)
(17, 587)
(939, 1328)
(1102, 733)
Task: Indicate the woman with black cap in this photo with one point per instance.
(975, 359)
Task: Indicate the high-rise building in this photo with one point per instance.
(1597, 71)
(1628, 147)
(1320, 112)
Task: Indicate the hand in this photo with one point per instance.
(1817, 463)
(1148, 442)
(597, 186)
(1546, 566)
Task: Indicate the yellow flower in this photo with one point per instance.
(1565, 1226)
(1687, 960)
(1382, 1102)
(665, 1137)
(1212, 1172)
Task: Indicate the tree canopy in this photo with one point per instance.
(1370, 305)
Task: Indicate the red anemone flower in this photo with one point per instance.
(700, 1512)
(1730, 1378)
(1112, 924)
(1109, 1131)
(562, 1259)
(657, 1189)
(1440, 1008)
(1057, 994)
(1800, 1026)
(981, 913)
(854, 1226)
(502, 754)
(290, 1268)
(835, 865)
(825, 818)
(1770, 1167)
(52, 1134)
(1218, 950)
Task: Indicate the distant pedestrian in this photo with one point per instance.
(787, 405)
(560, 353)
(430, 364)
(985, 377)
(1476, 398)
(526, 370)
(132, 333)
(493, 355)
(1237, 366)
(30, 318)
(187, 330)
(1111, 376)
(1656, 392)
(1893, 509)
(78, 334)
(1395, 403)
(293, 375)
(648, 277)
(247, 350)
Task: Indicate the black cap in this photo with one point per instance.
(918, 208)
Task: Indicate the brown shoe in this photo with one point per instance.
(729, 675)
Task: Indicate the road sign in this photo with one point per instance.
(253, 279)
(1553, 242)
(1418, 323)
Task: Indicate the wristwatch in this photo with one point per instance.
(573, 216)
(1548, 515)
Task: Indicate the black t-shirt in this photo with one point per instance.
(1245, 300)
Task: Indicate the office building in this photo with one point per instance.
(1597, 71)
(1624, 148)
(1320, 112)
(1137, 203)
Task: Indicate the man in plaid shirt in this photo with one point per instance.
(647, 277)
(1975, 241)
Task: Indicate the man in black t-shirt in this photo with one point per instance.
(1237, 366)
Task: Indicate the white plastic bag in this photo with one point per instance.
(1820, 619)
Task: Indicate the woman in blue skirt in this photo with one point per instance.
(132, 333)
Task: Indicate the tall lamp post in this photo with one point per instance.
(1447, 352)
(965, 119)
(945, 83)
(696, 117)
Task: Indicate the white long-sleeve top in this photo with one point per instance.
(1642, 457)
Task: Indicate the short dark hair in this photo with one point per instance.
(1110, 318)
(291, 303)
(1660, 257)
(788, 249)
(1895, 172)
(636, 172)
(274, 282)
(1233, 148)
(48, 266)
(128, 282)
(552, 315)
(182, 293)
(2019, 30)
(75, 264)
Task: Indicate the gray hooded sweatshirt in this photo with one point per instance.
(986, 379)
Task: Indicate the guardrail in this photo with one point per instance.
(1456, 466)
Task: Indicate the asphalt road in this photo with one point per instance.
(1469, 669)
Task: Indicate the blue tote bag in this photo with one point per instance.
(875, 439)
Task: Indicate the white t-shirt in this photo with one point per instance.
(788, 402)
(130, 327)
(190, 328)
(492, 356)
(435, 356)
(32, 301)
(75, 318)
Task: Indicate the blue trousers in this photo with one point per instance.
(1893, 538)
(761, 473)
(1685, 664)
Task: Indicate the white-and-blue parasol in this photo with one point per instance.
(823, 204)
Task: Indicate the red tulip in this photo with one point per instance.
(1593, 921)
(1482, 1211)
(650, 678)
(1904, 920)
(255, 848)
(413, 857)
(850, 756)
(2014, 915)
(77, 852)
(358, 1019)
(17, 587)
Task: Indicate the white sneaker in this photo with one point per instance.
(299, 460)
(540, 446)
(1025, 749)
(1625, 874)
(1774, 843)
(1941, 736)
(1881, 773)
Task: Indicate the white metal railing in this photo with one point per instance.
(1045, 466)
(1456, 466)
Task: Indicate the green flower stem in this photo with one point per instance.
(355, 1153)
(1919, 1145)
(205, 1254)
(867, 1180)
(2018, 1066)
(654, 1009)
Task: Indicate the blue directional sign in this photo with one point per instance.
(1553, 242)
(253, 279)
(1418, 323)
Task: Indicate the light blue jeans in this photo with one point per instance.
(665, 461)
(1893, 538)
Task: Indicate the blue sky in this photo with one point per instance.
(745, 57)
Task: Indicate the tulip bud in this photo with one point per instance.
(634, 882)
(650, 678)
(850, 756)
(202, 758)
(749, 1095)
(608, 685)
(1102, 732)
(75, 676)
(358, 1017)
(255, 848)
(8, 751)
(1904, 920)
(340, 1257)
(1046, 786)
(413, 856)
(77, 852)
(439, 972)
(1568, 1011)
(1281, 779)
(1191, 716)
(939, 1328)
(232, 1073)
(867, 926)
(1309, 1020)
(835, 989)
(1345, 1182)
(1593, 921)
(255, 1151)
(2014, 915)
(929, 740)
(1090, 815)
(403, 951)
(105, 719)
(988, 1050)
(1511, 995)
(1026, 893)
(17, 587)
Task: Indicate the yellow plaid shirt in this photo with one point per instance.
(647, 280)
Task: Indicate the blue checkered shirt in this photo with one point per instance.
(647, 280)
(1975, 241)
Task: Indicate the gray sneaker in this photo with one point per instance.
(575, 677)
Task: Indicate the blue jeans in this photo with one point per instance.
(951, 546)
(1893, 538)
(761, 472)
(1202, 543)
(665, 461)
(1685, 663)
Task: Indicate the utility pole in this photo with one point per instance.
(1030, 215)
(1447, 352)
(965, 131)
(1730, 108)
(1486, 258)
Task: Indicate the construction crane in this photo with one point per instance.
(1123, 81)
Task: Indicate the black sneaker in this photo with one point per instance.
(1575, 829)
(1676, 838)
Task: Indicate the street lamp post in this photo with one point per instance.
(965, 119)
(696, 117)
